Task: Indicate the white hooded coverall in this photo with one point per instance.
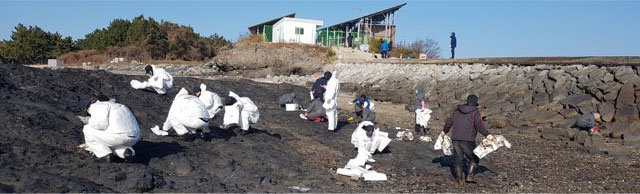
(330, 101)
(160, 81)
(110, 129)
(242, 113)
(211, 100)
(187, 113)
(378, 141)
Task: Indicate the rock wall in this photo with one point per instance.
(547, 96)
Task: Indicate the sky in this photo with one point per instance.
(483, 28)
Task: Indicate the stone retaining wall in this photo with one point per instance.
(544, 95)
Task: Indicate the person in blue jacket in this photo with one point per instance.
(384, 48)
(453, 44)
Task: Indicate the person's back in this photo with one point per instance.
(121, 120)
(185, 105)
(464, 124)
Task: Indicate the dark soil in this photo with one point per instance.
(39, 135)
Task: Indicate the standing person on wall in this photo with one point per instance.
(384, 47)
(453, 44)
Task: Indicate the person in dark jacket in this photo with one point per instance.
(464, 124)
(453, 44)
(317, 90)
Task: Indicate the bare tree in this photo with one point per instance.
(427, 46)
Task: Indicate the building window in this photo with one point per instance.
(299, 31)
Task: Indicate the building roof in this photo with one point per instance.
(377, 16)
(270, 22)
(316, 22)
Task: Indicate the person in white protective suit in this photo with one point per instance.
(211, 100)
(239, 111)
(110, 129)
(331, 101)
(159, 80)
(186, 115)
(367, 139)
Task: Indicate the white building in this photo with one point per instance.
(288, 29)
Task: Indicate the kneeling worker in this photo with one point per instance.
(315, 111)
(159, 80)
(186, 115)
(239, 111)
(367, 138)
(110, 129)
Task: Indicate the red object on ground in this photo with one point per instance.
(318, 119)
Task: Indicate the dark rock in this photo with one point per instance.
(568, 113)
(626, 96)
(626, 114)
(550, 136)
(631, 138)
(499, 122)
(537, 117)
(581, 137)
(607, 111)
(597, 141)
(576, 100)
(540, 98)
(566, 123)
(616, 135)
(145, 182)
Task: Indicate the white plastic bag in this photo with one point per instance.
(444, 143)
(490, 144)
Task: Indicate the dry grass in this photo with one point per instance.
(82, 56)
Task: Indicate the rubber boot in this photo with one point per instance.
(470, 178)
(128, 155)
(460, 175)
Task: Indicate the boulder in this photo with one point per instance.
(540, 98)
(607, 111)
(537, 117)
(550, 136)
(631, 138)
(607, 78)
(568, 113)
(580, 137)
(575, 100)
(626, 114)
(626, 96)
(557, 75)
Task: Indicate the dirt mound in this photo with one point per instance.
(278, 58)
(39, 135)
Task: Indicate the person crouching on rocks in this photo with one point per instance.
(315, 112)
(465, 122)
(159, 80)
(187, 114)
(110, 129)
(211, 100)
(239, 112)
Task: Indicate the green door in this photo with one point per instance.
(267, 34)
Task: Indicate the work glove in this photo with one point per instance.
(84, 120)
(156, 130)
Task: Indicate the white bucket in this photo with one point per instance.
(291, 107)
